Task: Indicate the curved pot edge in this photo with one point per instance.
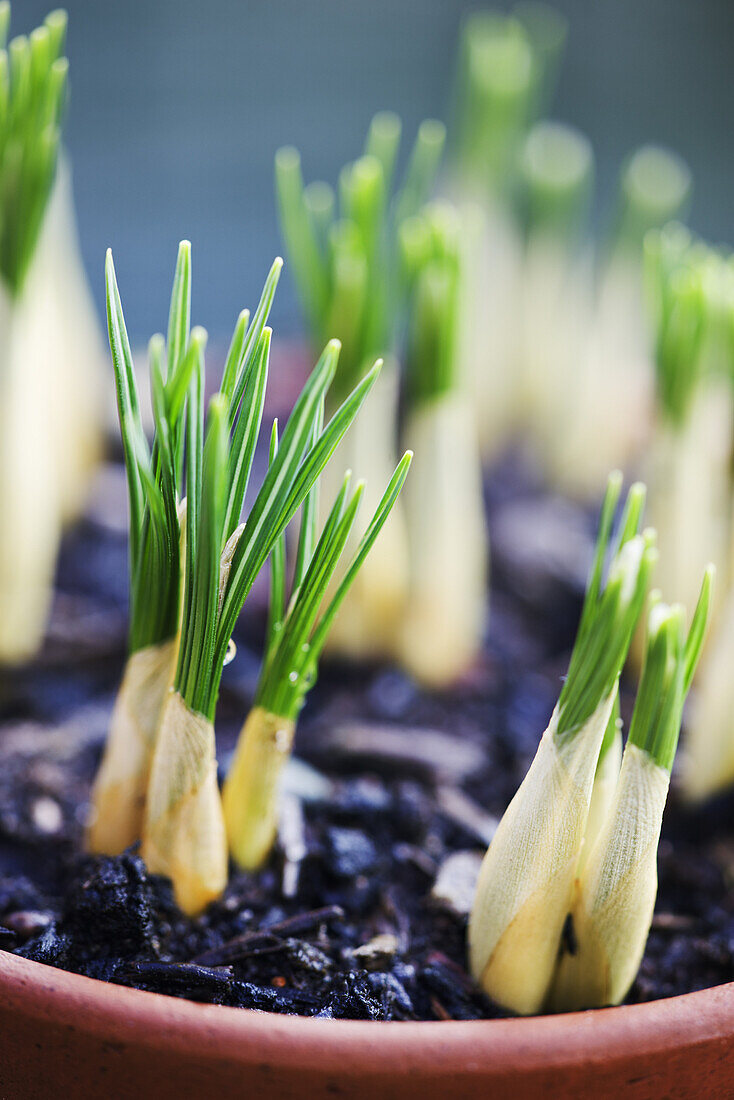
(701, 1019)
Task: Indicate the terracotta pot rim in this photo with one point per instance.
(235, 1034)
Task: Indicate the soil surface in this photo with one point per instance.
(361, 912)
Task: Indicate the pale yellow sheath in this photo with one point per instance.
(183, 828)
(30, 493)
(445, 613)
(615, 896)
(118, 795)
(368, 621)
(251, 791)
(526, 882)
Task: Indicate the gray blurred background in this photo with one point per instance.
(177, 107)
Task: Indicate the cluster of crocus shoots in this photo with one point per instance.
(344, 257)
(505, 73)
(49, 345)
(193, 561)
(561, 352)
(691, 292)
(566, 891)
(366, 273)
(490, 309)
(391, 276)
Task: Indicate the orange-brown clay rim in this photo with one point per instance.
(69, 1036)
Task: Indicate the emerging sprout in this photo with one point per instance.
(655, 187)
(34, 75)
(444, 508)
(615, 889)
(708, 760)
(692, 295)
(158, 776)
(547, 31)
(610, 401)
(557, 165)
(526, 883)
(557, 170)
(497, 92)
(297, 633)
(499, 79)
(345, 259)
(157, 538)
(183, 828)
(154, 488)
(49, 344)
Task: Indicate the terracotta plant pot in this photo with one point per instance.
(69, 1036)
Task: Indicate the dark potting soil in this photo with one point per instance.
(361, 911)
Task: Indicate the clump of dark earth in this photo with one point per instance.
(361, 911)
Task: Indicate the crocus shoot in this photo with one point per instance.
(497, 89)
(154, 491)
(557, 165)
(526, 883)
(344, 256)
(444, 508)
(615, 891)
(297, 632)
(183, 826)
(689, 457)
(610, 402)
(49, 347)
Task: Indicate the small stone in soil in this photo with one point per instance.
(28, 922)
(456, 882)
(350, 852)
(377, 953)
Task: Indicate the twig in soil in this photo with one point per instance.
(399, 917)
(459, 808)
(673, 922)
(188, 978)
(439, 1010)
(291, 834)
(245, 945)
(412, 750)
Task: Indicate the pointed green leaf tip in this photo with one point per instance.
(557, 164)
(610, 610)
(431, 254)
(670, 662)
(674, 277)
(33, 77)
(152, 479)
(344, 255)
(655, 187)
(290, 665)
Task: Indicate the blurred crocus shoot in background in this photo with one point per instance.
(344, 255)
(444, 508)
(557, 171)
(504, 75)
(608, 406)
(50, 349)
